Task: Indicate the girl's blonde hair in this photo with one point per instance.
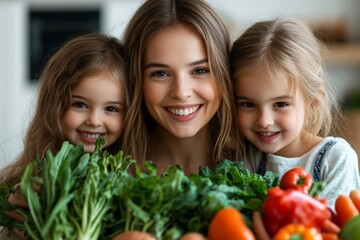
(288, 47)
(82, 57)
(149, 19)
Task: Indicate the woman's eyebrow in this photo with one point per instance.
(158, 65)
(162, 65)
(201, 61)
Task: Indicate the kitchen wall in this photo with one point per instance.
(17, 92)
(242, 13)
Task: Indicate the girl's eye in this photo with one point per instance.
(246, 104)
(281, 104)
(201, 71)
(112, 109)
(80, 105)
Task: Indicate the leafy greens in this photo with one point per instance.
(94, 196)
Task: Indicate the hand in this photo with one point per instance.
(259, 227)
(133, 235)
(137, 235)
(15, 199)
(193, 236)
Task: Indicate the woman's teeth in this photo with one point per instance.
(183, 111)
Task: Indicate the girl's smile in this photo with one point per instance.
(96, 110)
(268, 136)
(90, 137)
(270, 113)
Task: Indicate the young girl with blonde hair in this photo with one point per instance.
(285, 106)
(81, 96)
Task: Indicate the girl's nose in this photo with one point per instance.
(94, 119)
(265, 119)
(181, 88)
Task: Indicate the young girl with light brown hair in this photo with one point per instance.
(81, 96)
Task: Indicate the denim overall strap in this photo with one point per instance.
(319, 159)
(262, 165)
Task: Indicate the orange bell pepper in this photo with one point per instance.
(299, 231)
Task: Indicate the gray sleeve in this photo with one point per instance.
(339, 171)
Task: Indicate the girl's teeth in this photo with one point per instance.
(183, 112)
(90, 135)
(266, 134)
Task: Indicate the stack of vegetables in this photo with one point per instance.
(293, 210)
(93, 196)
(348, 215)
(77, 195)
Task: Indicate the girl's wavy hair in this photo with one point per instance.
(288, 47)
(81, 57)
(149, 19)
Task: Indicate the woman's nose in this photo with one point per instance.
(181, 88)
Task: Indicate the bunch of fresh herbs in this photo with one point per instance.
(94, 196)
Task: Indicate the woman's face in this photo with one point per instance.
(179, 91)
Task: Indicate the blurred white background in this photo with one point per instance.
(338, 19)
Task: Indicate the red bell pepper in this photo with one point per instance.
(283, 207)
(297, 178)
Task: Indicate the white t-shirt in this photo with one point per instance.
(338, 170)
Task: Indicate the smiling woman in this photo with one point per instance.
(182, 111)
(179, 90)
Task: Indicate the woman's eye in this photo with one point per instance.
(281, 104)
(79, 105)
(159, 74)
(201, 71)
